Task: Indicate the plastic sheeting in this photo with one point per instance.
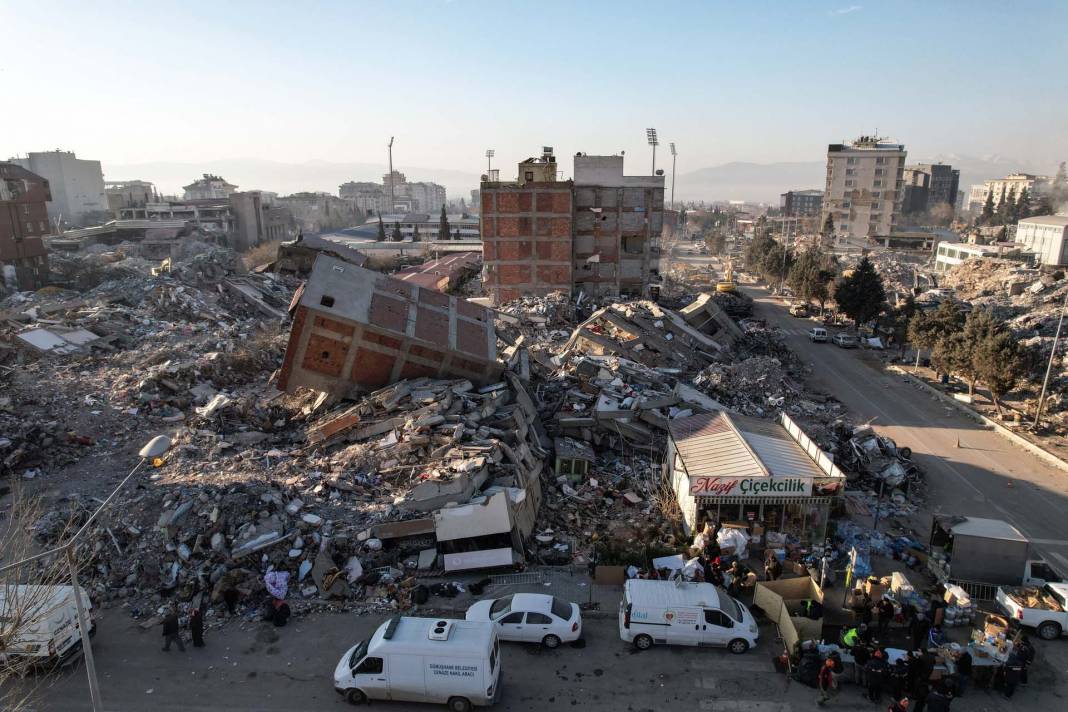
(736, 538)
(277, 583)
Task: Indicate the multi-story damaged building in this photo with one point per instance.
(527, 232)
(356, 328)
(24, 196)
(76, 185)
(597, 234)
(864, 184)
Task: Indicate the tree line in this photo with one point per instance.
(976, 347)
(396, 235)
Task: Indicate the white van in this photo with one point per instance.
(41, 622)
(684, 613)
(457, 663)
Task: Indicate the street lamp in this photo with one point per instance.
(152, 450)
(650, 134)
(489, 161)
(673, 155)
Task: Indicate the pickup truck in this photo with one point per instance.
(1045, 609)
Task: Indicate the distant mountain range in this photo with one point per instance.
(752, 182)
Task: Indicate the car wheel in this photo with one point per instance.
(905, 452)
(738, 646)
(1049, 631)
(356, 697)
(459, 704)
(643, 642)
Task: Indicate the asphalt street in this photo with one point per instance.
(970, 470)
(254, 666)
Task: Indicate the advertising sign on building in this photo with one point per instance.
(751, 486)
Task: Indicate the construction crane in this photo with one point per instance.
(726, 284)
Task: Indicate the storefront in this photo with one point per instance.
(768, 476)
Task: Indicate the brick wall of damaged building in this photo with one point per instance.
(526, 239)
(355, 327)
(24, 198)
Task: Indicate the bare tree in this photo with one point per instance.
(27, 592)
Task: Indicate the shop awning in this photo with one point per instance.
(763, 500)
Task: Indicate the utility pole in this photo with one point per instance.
(489, 161)
(650, 134)
(1049, 366)
(673, 155)
(391, 199)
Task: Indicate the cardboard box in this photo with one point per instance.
(875, 591)
(610, 575)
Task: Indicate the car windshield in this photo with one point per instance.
(501, 606)
(357, 654)
(561, 609)
(728, 605)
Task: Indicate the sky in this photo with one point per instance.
(135, 82)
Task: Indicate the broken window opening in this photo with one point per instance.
(326, 301)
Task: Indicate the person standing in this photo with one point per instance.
(886, 615)
(920, 691)
(172, 632)
(899, 679)
(1013, 673)
(964, 672)
(875, 673)
(196, 628)
(861, 656)
(772, 567)
(1026, 651)
(825, 681)
(919, 628)
(938, 700)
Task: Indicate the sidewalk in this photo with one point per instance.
(1053, 450)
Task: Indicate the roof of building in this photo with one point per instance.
(1057, 220)
(729, 445)
(987, 529)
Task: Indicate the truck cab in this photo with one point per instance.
(1038, 573)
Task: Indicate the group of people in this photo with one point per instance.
(172, 629)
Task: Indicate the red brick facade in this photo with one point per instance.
(23, 224)
(526, 239)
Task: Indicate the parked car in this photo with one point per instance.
(845, 341)
(531, 618)
(799, 310)
(817, 335)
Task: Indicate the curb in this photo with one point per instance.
(997, 427)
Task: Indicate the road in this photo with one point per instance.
(254, 666)
(970, 470)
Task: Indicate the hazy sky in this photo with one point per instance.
(131, 82)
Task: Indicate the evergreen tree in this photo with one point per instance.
(987, 216)
(381, 230)
(861, 295)
(1023, 204)
(999, 212)
(1009, 218)
(926, 329)
(443, 224)
(828, 225)
(415, 233)
(456, 234)
(810, 276)
(397, 235)
(999, 363)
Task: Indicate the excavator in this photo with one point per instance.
(726, 284)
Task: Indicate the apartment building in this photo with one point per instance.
(24, 198)
(864, 180)
(801, 203)
(76, 185)
(597, 234)
(1010, 184)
